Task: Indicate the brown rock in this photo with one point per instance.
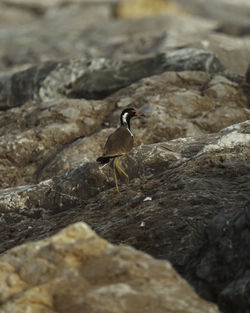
(142, 8)
(41, 140)
(77, 271)
(82, 150)
(34, 135)
(180, 176)
(175, 189)
(188, 197)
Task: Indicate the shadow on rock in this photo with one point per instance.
(219, 268)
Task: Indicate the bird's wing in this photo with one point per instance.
(119, 142)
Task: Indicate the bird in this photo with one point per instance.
(120, 142)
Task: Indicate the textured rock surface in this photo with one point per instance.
(97, 78)
(35, 134)
(191, 177)
(76, 271)
(42, 139)
(67, 71)
(48, 37)
(224, 264)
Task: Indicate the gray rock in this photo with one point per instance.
(48, 37)
(233, 52)
(189, 177)
(219, 268)
(33, 135)
(22, 87)
(224, 10)
(42, 139)
(67, 73)
(194, 60)
(95, 79)
(248, 74)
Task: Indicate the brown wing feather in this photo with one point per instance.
(119, 142)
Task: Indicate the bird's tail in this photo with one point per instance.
(102, 160)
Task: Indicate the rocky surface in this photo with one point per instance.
(48, 37)
(49, 134)
(77, 271)
(62, 88)
(226, 240)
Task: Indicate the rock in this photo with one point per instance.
(142, 8)
(221, 270)
(65, 76)
(104, 77)
(41, 132)
(47, 35)
(248, 74)
(232, 52)
(50, 38)
(123, 39)
(234, 29)
(225, 10)
(181, 176)
(23, 86)
(192, 103)
(77, 271)
(95, 79)
(81, 151)
(194, 60)
(42, 139)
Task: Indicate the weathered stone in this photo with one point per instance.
(180, 176)
(189, 80)
(224, 10)
(234, 29)
(50, 38)
(77, 271)
(104, 77)
(192, 59)
(232, 52)
(47, 35)
(22, 87)
(248, 74)
(221, 270)
(95, 79)
(141, 8)
(82, 150)
(35, 134)
(41, 140)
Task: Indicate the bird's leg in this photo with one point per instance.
(101, 167)
(123, 172)
(114, 170)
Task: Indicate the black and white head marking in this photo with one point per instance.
(124, 117)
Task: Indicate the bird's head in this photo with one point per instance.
(127, 114)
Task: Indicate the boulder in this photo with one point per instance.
(35, 134)
(50, 135)
(219, 268)
(66, 73)
(77, 271)
(95, 79)
(183, 183)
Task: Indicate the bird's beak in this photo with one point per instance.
(139, 114)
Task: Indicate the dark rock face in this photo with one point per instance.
(193, 60)
(220, 268)
(95, 79)
(23, 87)
(61, 94)
(187, 182)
